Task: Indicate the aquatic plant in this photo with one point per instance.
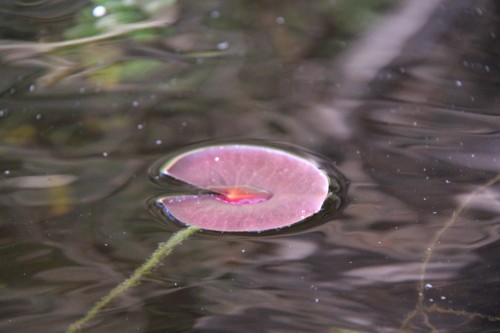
(266, 188)
(421, 309)
(163, 250)
(239, 188)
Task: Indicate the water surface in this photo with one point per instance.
(409, 115)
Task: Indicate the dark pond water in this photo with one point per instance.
(401, 97)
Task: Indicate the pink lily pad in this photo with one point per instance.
(252, 188)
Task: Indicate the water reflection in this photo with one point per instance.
(415, 131)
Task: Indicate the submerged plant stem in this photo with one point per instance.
(420, 308)
(437, 236)
(163, 250)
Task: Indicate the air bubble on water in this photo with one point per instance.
(6, 172)
(140, 126)
(428, 286)
(105, 154)
(458, 83)
(158, 142)
(135, 103)
(216, 158)
(38, 116)
(215, 14)
(280, 20)
(443, 297)
(223, 45)
(316, 300)
(2, 113)
(99, 11)
(242, 250)
(32, 88)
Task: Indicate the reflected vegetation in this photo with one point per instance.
(400, 95)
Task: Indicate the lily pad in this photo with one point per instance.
(245, 188)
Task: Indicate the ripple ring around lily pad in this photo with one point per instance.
(244, 188)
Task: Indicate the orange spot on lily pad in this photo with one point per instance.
(241, 194)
